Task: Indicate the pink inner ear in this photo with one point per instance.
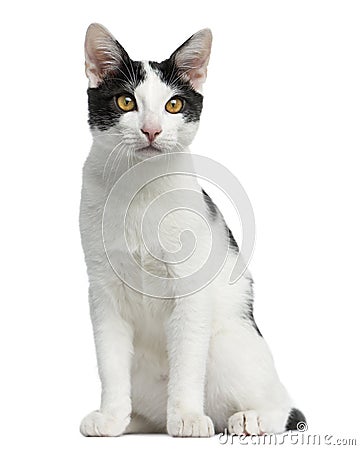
(99, 62)
(197, 78)
(101, 53)
(197, 75)
(193, 56)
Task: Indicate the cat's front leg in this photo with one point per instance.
(188, 334)
(113, 341)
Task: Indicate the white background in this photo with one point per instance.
(282, 111)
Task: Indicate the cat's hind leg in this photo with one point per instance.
(243, 390)
(272, 421)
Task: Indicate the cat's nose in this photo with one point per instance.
(151, 133)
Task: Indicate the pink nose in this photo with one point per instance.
(151, 133)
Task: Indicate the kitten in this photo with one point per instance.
(188, 365)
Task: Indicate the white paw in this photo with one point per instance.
(99, 424)
(244, 422)
(190, 425)
(273, 421)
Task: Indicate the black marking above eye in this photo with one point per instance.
(170, 75)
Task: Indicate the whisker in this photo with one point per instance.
(108, 158)
(132, 69)
(173, 73)
(182, 74)
(116, 163)
(103, 135)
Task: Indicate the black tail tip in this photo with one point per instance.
(296, 421)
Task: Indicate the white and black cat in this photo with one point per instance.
(198, 363)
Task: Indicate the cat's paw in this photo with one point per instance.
(100, 424)
(261, 422)
(244, 422)
(190, 425)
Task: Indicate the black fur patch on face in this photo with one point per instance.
(103, 111)
(170, 75)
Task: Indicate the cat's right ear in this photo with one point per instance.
(103, 54)
(192, 57)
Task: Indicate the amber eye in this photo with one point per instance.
(174, 105)
(126, 102)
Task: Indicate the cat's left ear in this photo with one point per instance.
(192, 57)
(103, 54)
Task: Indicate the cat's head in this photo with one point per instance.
(154, 107)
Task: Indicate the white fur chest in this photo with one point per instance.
(148, 230)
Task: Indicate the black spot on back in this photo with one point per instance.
(212, 208)
(103, 111)
(249, 311)
(250, 306)
(214, 213)
(170, 75)
(232, 241)
(295, 417)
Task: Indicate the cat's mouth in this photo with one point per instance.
(149, 150)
